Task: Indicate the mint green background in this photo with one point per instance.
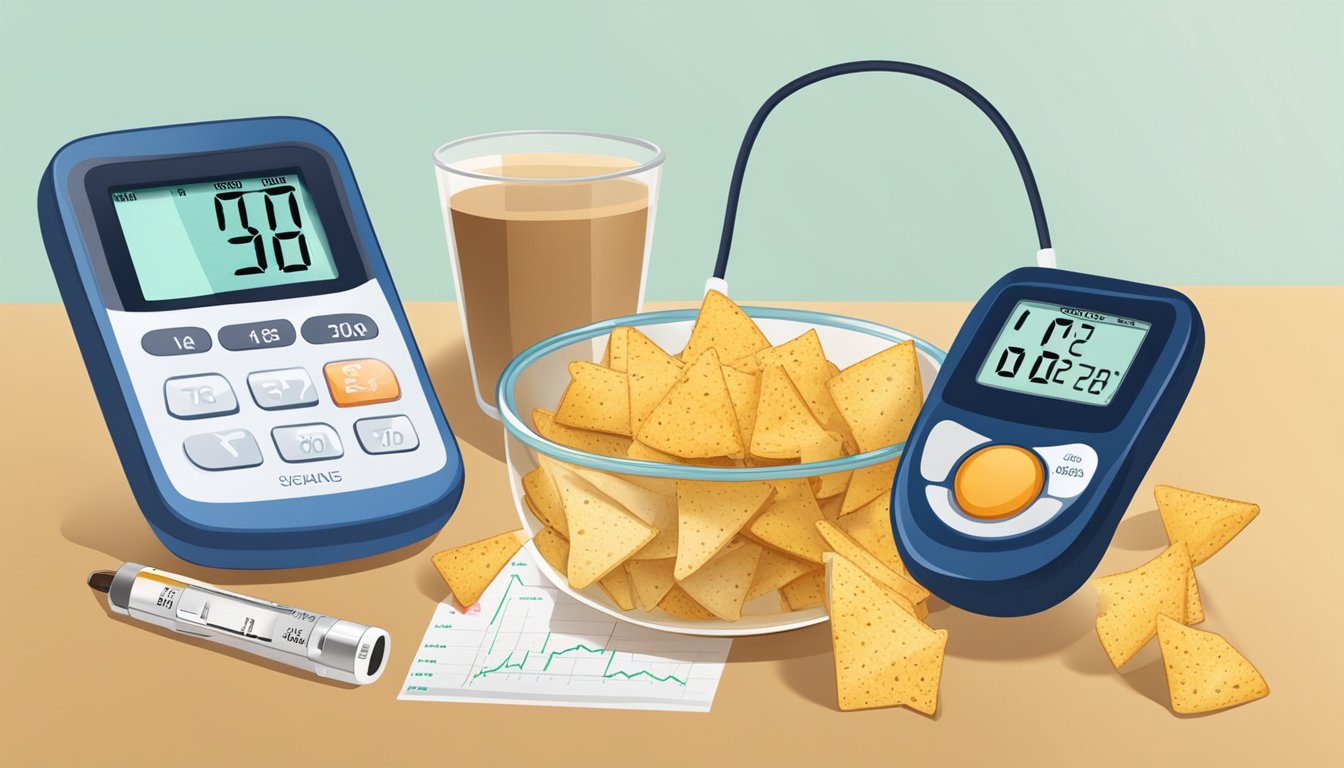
(1175, 142)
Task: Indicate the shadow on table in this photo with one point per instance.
(1141, 532)
(804, 660)
(450, 371)
(971, 636)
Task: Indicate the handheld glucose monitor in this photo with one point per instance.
(1050, 406)
(246, 343)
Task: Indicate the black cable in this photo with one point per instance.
(740, 169)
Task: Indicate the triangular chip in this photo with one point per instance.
(602, 534)
(470, 568)
(884, 656)
(654, 508)
(784, 423)
(554, 548)
(709, 515)
(774, 570)
(1204, 672)
(651, 579)
(868, 483)
(1205, 523)
(788, 522)
(805, 362)
(746, 364)
(638, 450)
(1130, 602)
(844, 545)
(870, 526)
(721, 584)
(722, 325)
(600, 443)
(616, 354)
(826, 447)
(745, 390)
(696, 418)
(617, 586)
(652, 373)
(880, 396)
(597, 398)
(805, 591)
(679, 605)
(544, 500)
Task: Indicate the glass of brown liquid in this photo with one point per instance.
(548, 231)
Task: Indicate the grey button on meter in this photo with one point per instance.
(386, 434)
(196, 397)
(332, 329)
(226, 449)
(259, 335)
(283, 388)
(307, 442)
(186, 340)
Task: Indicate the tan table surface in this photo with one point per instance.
(1263, 423)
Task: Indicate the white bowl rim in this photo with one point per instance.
(520, 429)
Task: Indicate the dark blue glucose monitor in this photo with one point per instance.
(246, 343)
(1053, 400)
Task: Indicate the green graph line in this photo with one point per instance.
(650, 675)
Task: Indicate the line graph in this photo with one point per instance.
(528, 643)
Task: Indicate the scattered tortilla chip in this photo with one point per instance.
(884, 656)
(696, 418)
(544, 500)
(600, 443)
(652, 373)
(617, 586)
(774, 570)
(826, 447)
(869, 483)
(870, 526)
(1205, 523)
(679, 605)
(721, 584)
(805, 591)
(744, 389)
(654, 508)
(652, 579)
(554, 548)
(784, 423)
(616, 354)
(844, 545)
(602, 534)
(1204, 672)
(722, 325)
(879, 397)
(470, 568)
(709, 515)
(805, 362)
(1130, 602)
(597, 398)
(788, 522)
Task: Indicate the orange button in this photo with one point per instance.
(998, 482)
(361, 382)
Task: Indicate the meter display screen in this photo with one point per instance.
(222, 235)
(1066, 353)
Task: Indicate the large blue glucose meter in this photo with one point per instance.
(246, 343)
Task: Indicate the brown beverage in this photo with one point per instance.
(540, 258)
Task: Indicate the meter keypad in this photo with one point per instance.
(361, 382)
(259, 335)
(283, 388)
(197, 397)
(386, 434)
(1068, 468)
(307, 442)
(947, 442)
(186, 340)
(226, 449)
(333, 329)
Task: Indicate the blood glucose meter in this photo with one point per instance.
(246, 343)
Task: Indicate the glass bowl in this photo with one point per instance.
(537, 377)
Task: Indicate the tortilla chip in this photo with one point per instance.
(784, 423)
(721, 584)
(652, 507)
(869, 483)
(805, 362)
(774, 570)
(746, 364)
(1204, 672)
(544, 500)
(651, 579)
(617, 586)
(1128, 603)
(722, 325)
(788, 522)
(554, 548)
(616, 354)
(745, 390)
(600, 443)
(709, 515)
(1205, 523)
(884, 656)
(696, 419)
(844, 545)
(602, 534)
(652, 372)
(870, 526)
(826, 447)
(805, 591)
(679, 605)
(879, 397)
(470, 568)
(597, 398)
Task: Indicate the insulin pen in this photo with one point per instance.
(326, 646)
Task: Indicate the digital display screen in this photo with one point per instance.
(221, 235)
(1066, 353)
